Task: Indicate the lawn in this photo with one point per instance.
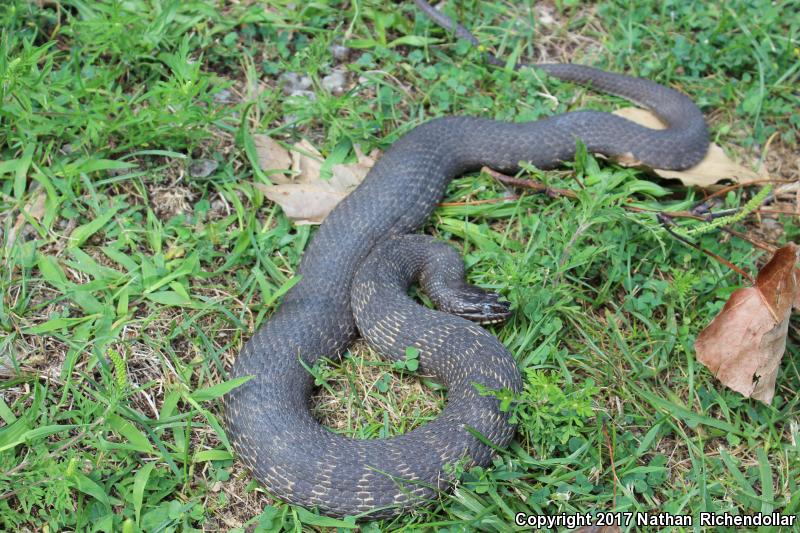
(138, 253)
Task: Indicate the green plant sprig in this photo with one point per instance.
(751, 205)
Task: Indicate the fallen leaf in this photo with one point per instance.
(272, 156)
(306, 198)
(36, 208)
(745, 342)
(306, 162)
(714, 167)
(305, 203)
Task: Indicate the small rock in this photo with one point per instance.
(289, 78)
(304, 83)
(202, 168)
(545, 15)
(292, 81)
(219, 209)
(334, 82)
(223, 97)
(339, 51)
(305, 94)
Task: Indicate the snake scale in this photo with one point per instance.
(355, 274)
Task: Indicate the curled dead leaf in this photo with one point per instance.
(307, 198)
(714, 167)
(745, 342)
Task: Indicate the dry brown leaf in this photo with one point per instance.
(714, 167)
(272, 156)
(307, 198)
(306, 162)
(36, 208)
(744, 344)
(305, 203)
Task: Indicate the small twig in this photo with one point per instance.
(729, 188)
(758, 244)
(670, 214)
(702, 207)
(531, 184)
(667, 222)
(778, 212)
(725, 262)
(478, 202)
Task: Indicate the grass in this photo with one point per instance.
(127, 286)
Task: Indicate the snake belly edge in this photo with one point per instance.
(268, 418)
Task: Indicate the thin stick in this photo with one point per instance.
(729, 188)
(477, 202)
(667, 222)
(758, 244)
(531, 184)
(777, 212)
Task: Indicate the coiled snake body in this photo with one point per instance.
(362, 260)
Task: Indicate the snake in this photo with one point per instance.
(354, 278)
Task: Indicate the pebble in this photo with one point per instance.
(334, 82)
(202, 168)
(339, 51)
(223, 97)
(292, 82)
(545, 16)
(219, 207)
(305, 94)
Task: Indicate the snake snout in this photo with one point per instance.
(479, 305)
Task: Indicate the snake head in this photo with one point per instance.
(478, 305)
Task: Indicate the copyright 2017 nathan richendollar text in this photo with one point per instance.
(641, 519)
